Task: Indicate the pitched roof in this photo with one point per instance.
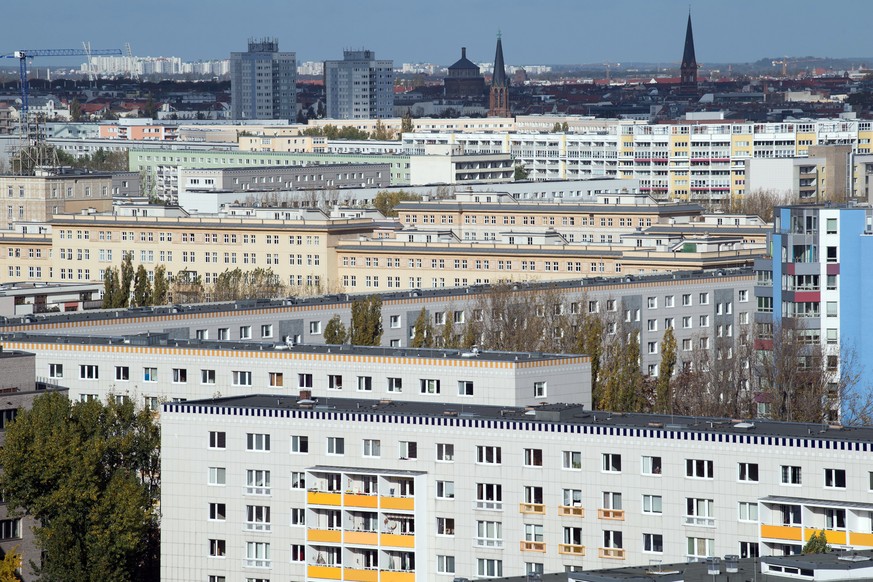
(499, 78)
(464, 62)
(688, 58)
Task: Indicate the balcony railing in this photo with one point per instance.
(615, 514)
(532, 508)
(526, 546)
(257, 490)
(257, 526)
(611, 553)
(571, 511)
(571, 549)
(699, 521)
(489, 543)
(489, 505)
(257, 563)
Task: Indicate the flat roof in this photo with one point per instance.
(566, 207)
(571, 414)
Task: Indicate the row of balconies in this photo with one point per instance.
(358, 574)
(573, 550)
(336, 499)
(360, 538)
(789, 533)
(569, 511)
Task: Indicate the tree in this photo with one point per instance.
(88, 473)
(448, 336)
(111, 287)
(406, 125)
(187, 288)
(422, 334)
(142, 288)
(817, 544)
(663, 393)
(75, 110)
(520, 173)
(335, 331)
(382, 133)
(470, 336)
(590, 341)
(367, 321)
(9, 566)
(123, 299)
(385, 201)
(161, 286)
(760, 203)
(237, 284)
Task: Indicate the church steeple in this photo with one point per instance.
(688, 68)
(498, 105)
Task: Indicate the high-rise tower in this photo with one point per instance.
(263, 82)
(498, 104)
(359, 86)
(688, 69)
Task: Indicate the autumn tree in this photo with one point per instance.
(89, 475)
(335, 331)
(470, 335)
(621, 387)
(366, 328)
(422, 334)
(126, 281)
(111, 288)
(447, 340)
(385, 201)
(663, 389)
(237, 284)
(187, 287)
(382, 133)
(10, 565)
(406, 125)
(817, 543)
(142, 288)
(760, 203)
(161, 286)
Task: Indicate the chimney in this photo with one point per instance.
(463, 52)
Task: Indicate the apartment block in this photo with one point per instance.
(343, 489)
(263, 82)
(359, 86)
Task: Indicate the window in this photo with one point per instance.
(612, 462)
(217, 511)
(612, 539)
(652, 504)
(445, 452)
(572, 460)
(651, 465)
(336, 446)
(533, 457)
(242, 378)
(245, 332)
(122, 373)
(257, 482)
(298, 554)
(267, 330)
(834, 518)
(217, 476)
(180, 376)
(430, 386)
(445, 564)
(699, 512)
(835, 478)
(686, 300)
(215, 578)
(298, 516)
(743, 295)
(698, 468)
(748, 472)
(394, 321)
(207, 376)
(540, 389)
(489, 567)
(258, 554)
(489, 534)
(445, 526)
(489, 496)
(653, 543)
(223, 333)
(217, 548)
(372, 448)
(445, 489)
(533, 532)
(334, 382)
(304, 380)
(749, 550)
(465, 387)
(395, 385)
(701, 547)
(488, 455)
(408, 450)
(217, 439)
(748, 511)
(298, 480)
(572, 497)
(299, 444)
(365, 383)
(790, 475)
(703, 298)
(257, 442)
(652, 302)
(56, 370)
(668, 301)
(277, 379)
(257, 518)
(315, 327)
(89, 372)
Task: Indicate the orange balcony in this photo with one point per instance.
(614, 514)
(861, 539)
(361, 538)
(571, 511)
(360, 575)
(356, 500)
(539, 508)
(331, 536)
(611, 553)
(398, 541)
(401, 503)
(782, 532)
(571, 549)
(323, 498)
(837, 538)
(325, 572)
(397, 576)
(532, 546)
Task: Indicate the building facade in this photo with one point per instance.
(359, 86)
(263, 82)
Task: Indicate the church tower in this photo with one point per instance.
(688, 69)
(498, 104)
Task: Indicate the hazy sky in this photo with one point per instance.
(534, 32)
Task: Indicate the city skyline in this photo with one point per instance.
(577, 32)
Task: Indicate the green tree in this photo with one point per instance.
(406, 125)
(142, 288)
(111, 287)
(75, 110)
(335, 331)
(557, 127)
(88, 473)
(123, 298)
(386, 201)
(817, 544)
(422, 334)
(663, 393)
(161, 286)
(382, 133)
(520, 173)
(448, 339)
(469, 336)
(590, 341)
(367, 321)
(9, 566)
(187, 288)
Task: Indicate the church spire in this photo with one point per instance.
(498, 105)
(688, 68)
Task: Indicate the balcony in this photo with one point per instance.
(861, 539)
(360, 500)
(332, 536)
(782, 532)
(611, 553)
(324, 572)
(323, 498)
(397, 576)
(526, 546)
(571, 511)
(613, 514)
(538, 508)
(835, 537)
(698, 521)
(398, 540)
(361, 538)
(571, 549)
(358, 575)
(401, 503)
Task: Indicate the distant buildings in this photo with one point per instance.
(263, 82)
(359, 86)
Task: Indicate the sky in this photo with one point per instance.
(534, 32)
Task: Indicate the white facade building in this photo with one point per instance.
(359, 86)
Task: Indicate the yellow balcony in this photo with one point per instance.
(611, 553)
(332, 536)
(361, 538)
(323, 498)
(861, 539)
(539, 508)
(397, 576)
(356, 500)
(532, 546)
(401, 503)
(361, 575)
(571, 511)
(325, 572)
(398, 541)
(837, 538)
(782, 532)
(571, 549)
(614, 514)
